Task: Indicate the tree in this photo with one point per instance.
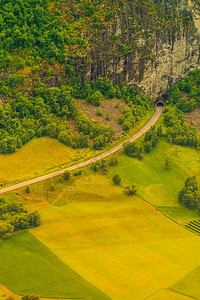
(66, 175)
(116, 179)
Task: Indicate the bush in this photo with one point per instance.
(167, 162)
(132, 149)
(77, 173)
(95, 98)
(130, 190)
(66, 175)
(116, 179)
(99, 112)
(95, 166)
(28, 189)
(107, 117)
(113, 161)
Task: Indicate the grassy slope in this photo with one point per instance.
(117, 243)
(37, 157)
(157, 185)
(28, 266)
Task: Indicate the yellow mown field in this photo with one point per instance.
(38, 157)
(123, 246)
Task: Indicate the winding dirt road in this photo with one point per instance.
(147, 126)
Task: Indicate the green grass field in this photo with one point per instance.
(28, 266)
(157, 185)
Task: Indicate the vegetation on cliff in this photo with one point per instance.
(186, 93)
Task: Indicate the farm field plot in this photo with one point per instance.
(28, 266)
(121, 245)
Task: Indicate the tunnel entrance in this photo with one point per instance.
(160, 103)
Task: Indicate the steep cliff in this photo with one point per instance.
(150, 44)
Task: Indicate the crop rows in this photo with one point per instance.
(193, 226)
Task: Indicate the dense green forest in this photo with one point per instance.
(41, 44)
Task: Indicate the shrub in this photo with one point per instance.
(113, 161)
(66, 175)
(95, 98)
(132, 149)
(28, 189)
(116, 179)
(130, 190)
(99, 112)
(108, 117)
(167, 162)
(77, 173)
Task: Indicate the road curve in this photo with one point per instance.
(146, 127)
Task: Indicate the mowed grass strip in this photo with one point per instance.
(28, 266)
(167, 294)
(190, 284)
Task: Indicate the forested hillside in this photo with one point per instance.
(53, 52)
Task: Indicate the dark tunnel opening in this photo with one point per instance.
(160, 103)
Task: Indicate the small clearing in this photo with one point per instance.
(107, 106)
(193, 118)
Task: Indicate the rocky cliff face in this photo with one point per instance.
(150, 46)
